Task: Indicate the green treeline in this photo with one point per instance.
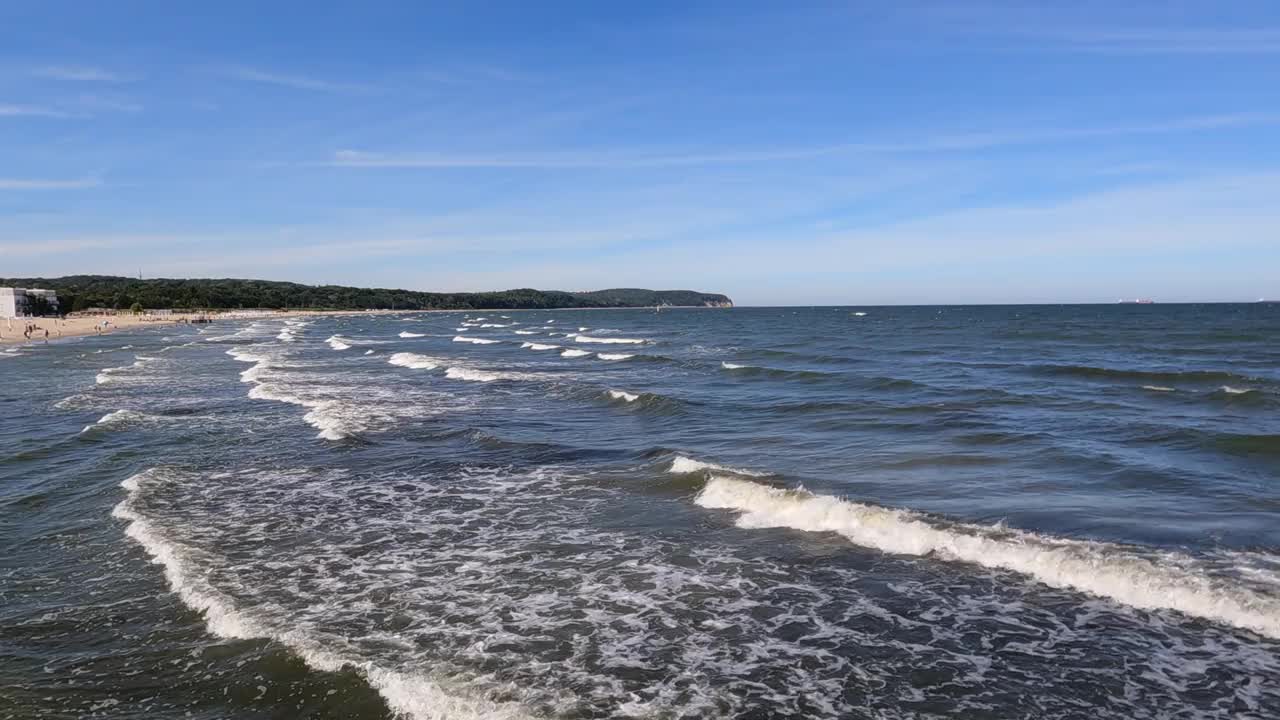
(80, 292)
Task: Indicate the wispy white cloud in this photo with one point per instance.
(1122, 29)
(31, 111)
(292, 81)
(80, 73)
(1165, 41)
(41, 184)
(623, 159)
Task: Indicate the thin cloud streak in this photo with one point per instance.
(34, 184)
(630, 160)
(79, 73)
(31, 111)
(295, 82)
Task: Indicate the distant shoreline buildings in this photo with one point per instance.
(24, 302)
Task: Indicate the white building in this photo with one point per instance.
(16, 302)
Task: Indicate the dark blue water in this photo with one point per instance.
(930, 512)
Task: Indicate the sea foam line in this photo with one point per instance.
(413, 695)
(414, 360)
(1101, 569)
(609, 340)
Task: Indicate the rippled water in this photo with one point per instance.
(987, 512)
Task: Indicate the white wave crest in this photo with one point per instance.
(681, 465)
(1157, 388)
(538, 346)
(614, 356)
(406, 334)
(526, 332)
(609, 340)
(1168, 581)
(459, 373)
(337, 343)
(571, 352)
(620, 395)
(414, 360)
(475, 340)
(731, 366)
(411, 695)
(1233, 390)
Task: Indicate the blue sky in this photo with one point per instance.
(782, 153)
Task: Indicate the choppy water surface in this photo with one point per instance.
(1013, 512)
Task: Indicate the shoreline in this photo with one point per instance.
(61, 328)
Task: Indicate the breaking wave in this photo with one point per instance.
(1149, 581)
(414, 360)
(614, 356)
(572, 353)
(538, 346)
(338, 343)
(609, 340)
(413, 695)
(406, 334)
(475, 340)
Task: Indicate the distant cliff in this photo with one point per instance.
(77, 292)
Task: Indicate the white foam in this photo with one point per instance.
(337, 343)
(1233, 390)
(286, 335)
(414, 360)
(609, 341)
(526, 332)
(1157, 388)
(411, 335)
(860, 314)
(118, 417)
(614, 356)
(368, 352)
(459, 373)
(494, 325)
(1167, 581)
(681, 465)
(731, 366)
(574, 353)
(414, 696)
(620, 395)
(475, 340)
(538, 346)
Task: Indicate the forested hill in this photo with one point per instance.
(78, 292)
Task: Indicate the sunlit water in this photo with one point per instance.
(1014, 512)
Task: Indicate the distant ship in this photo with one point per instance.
(1137, 301)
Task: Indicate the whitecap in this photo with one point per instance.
(338, 343)
(460, 373)
(574, 353)
(1147, 581)
(405, 334)
(620, 395)
(475, 340)
(682, 465)
(414, 360)
(538, 346)
(732, 366)
(614, 356)
(608, 341)
(1157, 388)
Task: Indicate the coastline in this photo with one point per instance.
(59, 328)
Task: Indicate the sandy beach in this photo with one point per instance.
(11, 329)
